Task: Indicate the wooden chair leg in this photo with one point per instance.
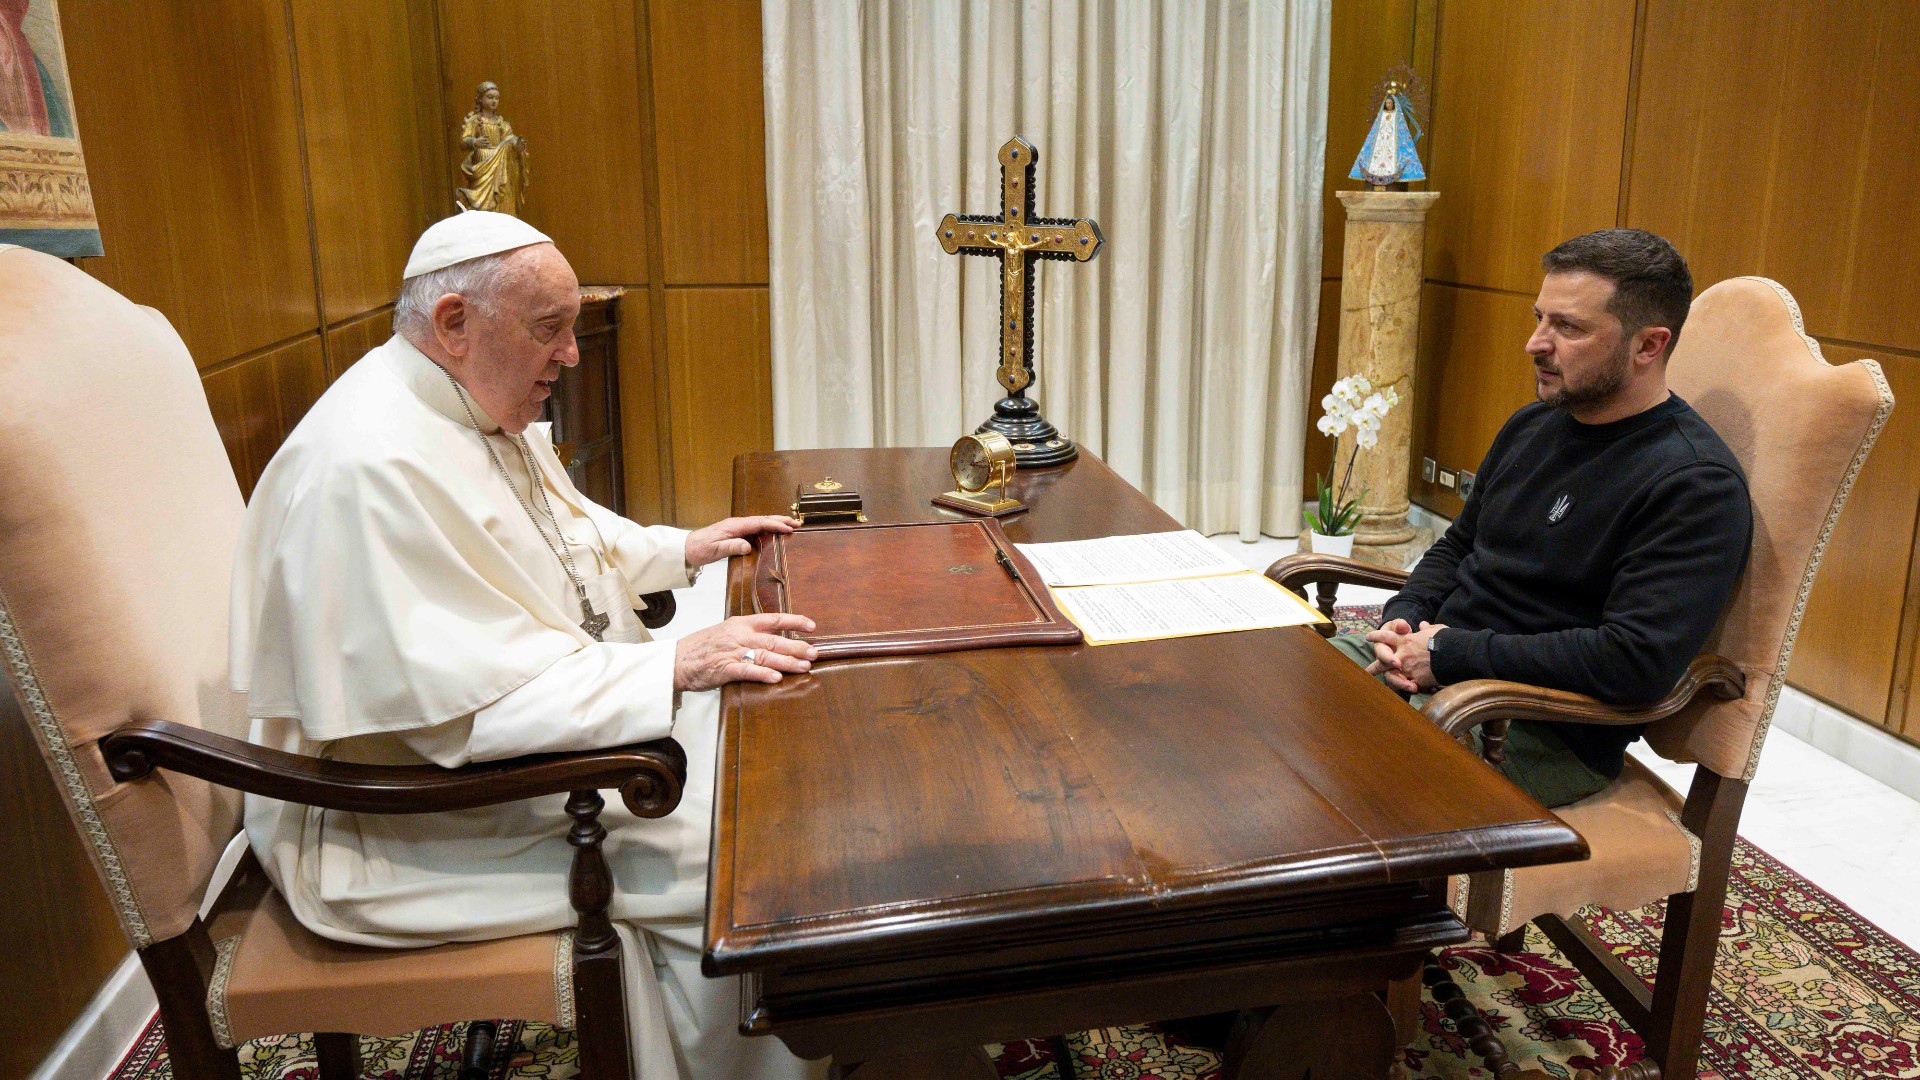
(1403, 1001)
(1692, 933)
(1324, 593)
(476, 1061)
(1062, 1056)
(339, 1055)
(179, 969)
(1513, 941)
(599, 988)
(1685, 975)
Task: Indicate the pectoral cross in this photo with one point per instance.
(595, 623)
(1018, 238)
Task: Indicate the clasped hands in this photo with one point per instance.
(745, 648)
(1402, 657)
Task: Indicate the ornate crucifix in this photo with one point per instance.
(1017, 238)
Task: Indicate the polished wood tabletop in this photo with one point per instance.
(901, 824)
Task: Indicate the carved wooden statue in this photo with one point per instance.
(496, 162)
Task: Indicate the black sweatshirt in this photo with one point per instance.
(1594, 558)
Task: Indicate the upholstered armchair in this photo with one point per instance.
(118, 516)
(1801, 429)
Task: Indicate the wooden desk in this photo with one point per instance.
(914, 856)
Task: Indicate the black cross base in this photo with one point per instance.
(1037, 444)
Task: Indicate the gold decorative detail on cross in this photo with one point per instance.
(1017, 237)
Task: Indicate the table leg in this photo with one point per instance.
(968, 1063)
(1348, 1038)
(1403, 1001)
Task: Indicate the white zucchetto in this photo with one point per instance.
(469, 235)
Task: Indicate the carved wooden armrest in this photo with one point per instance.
(1462, 707)
(657, 610)
(1296, 572)
(649, 775)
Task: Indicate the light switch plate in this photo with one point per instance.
(1426, 469)
(1447, 478)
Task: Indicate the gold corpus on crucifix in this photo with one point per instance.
(1018, 239)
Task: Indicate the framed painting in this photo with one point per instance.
(45, 202)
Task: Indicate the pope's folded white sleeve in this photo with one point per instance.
(608, 694)
(650, 557)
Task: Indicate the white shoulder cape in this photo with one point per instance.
(370, 591)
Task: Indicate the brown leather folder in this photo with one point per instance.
(921, 587)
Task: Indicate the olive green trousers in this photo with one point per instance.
(1537, 760)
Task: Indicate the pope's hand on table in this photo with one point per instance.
(729, 537)
(720, 654)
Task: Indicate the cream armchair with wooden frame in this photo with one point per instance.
(118, 516)
(1801, 429)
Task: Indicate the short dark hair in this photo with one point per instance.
(1651, 283)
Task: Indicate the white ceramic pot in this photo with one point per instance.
(1330, 545)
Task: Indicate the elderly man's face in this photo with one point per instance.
(516, 354)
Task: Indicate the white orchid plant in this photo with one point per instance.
(1355, 404)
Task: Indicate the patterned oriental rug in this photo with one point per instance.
(1804, 988)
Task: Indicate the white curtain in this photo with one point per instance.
(1192, 131)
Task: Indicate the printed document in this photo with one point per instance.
(1146, 611)
(1122, 560)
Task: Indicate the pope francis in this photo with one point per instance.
(417, 579)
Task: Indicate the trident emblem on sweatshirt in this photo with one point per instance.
(1560, 507)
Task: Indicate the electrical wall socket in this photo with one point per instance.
(1426, 469)
(1466, 483)
(1447, 477)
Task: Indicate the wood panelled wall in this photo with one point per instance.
(1761, 138)
(261, 169)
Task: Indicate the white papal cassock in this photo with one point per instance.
(393, 603)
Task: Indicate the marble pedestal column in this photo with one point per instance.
(1379, 327)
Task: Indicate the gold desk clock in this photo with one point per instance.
(830, 500)
(981, 461)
